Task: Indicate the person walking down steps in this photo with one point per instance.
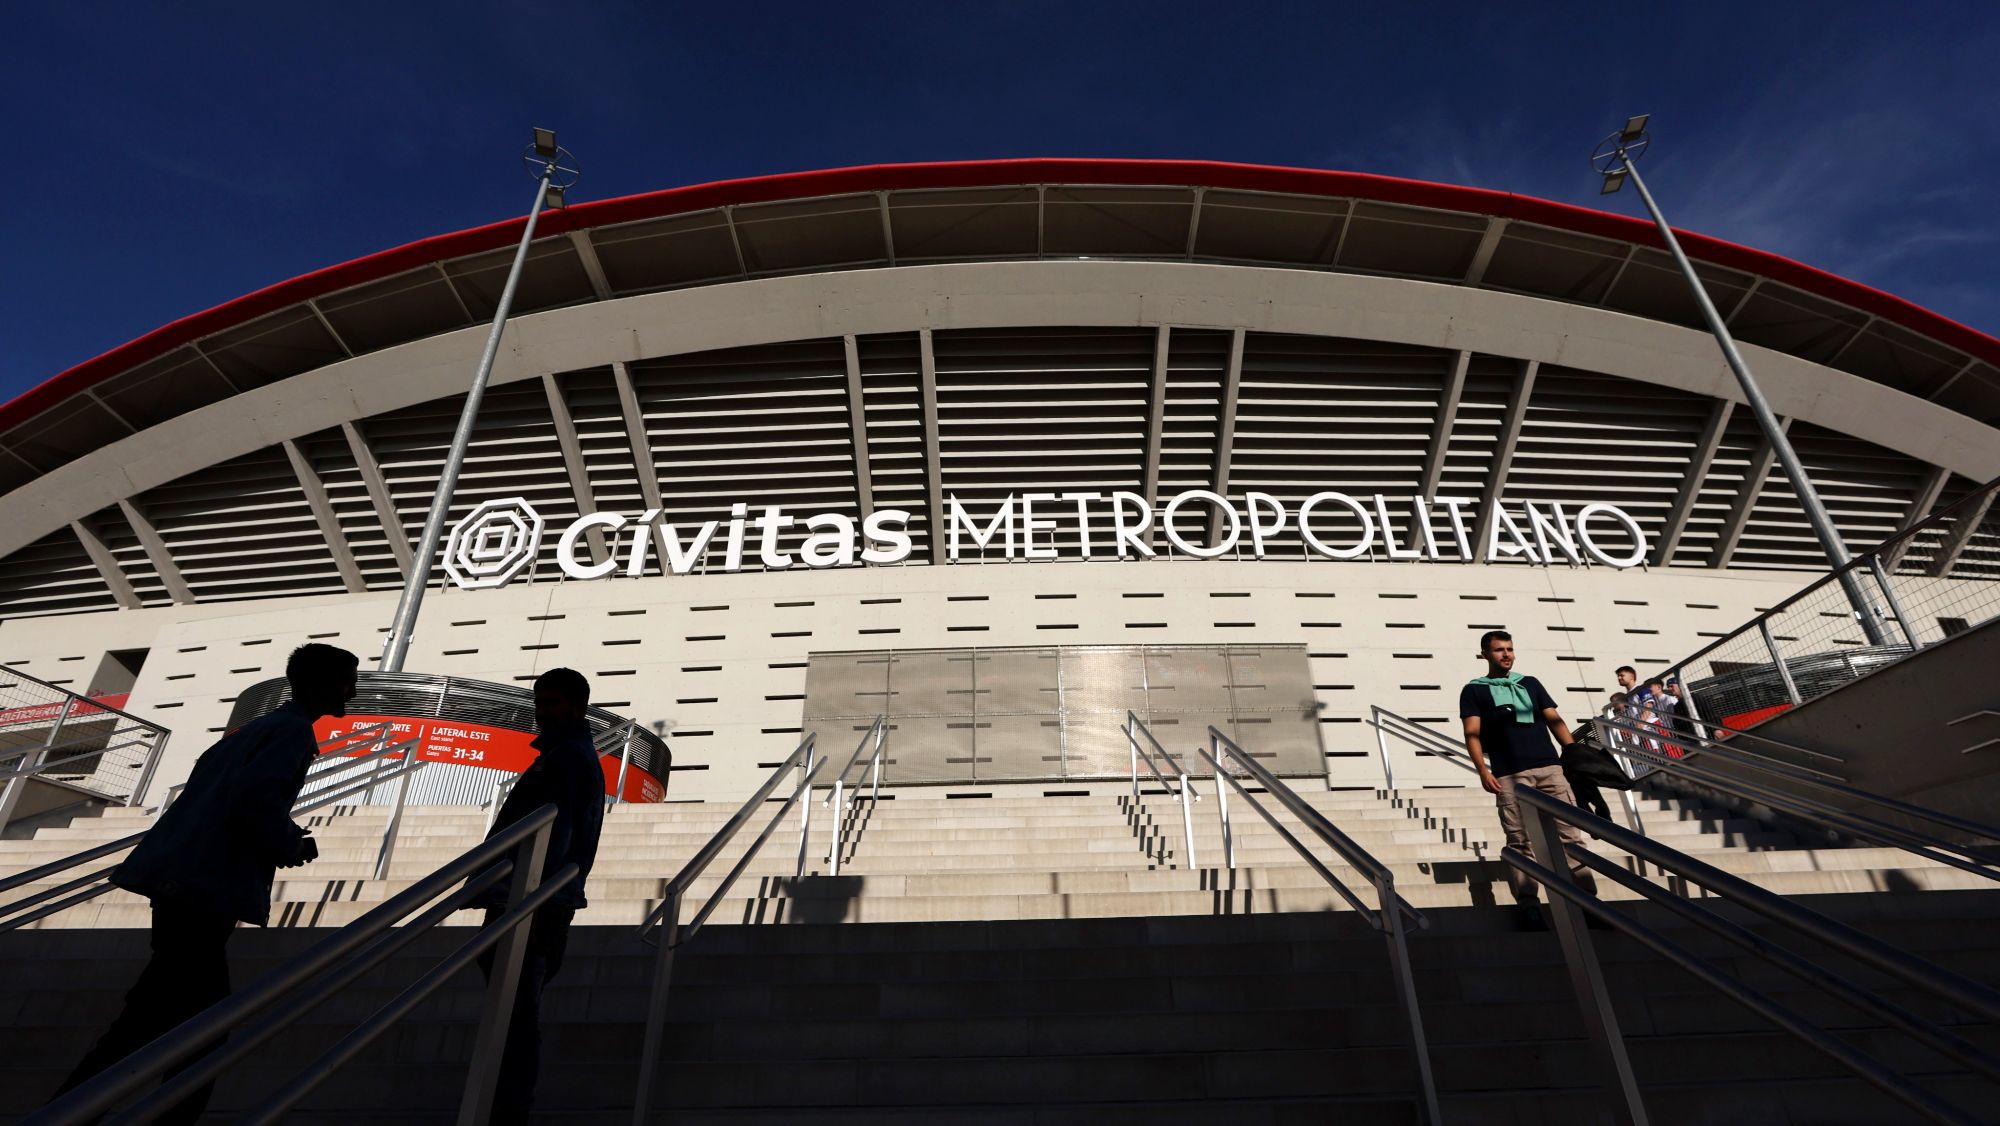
(1508, 719)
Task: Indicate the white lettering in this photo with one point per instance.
(1389, 532)
(1631, 527)
(831, 548)
(566, 547)
(1083, 517)
(635, 552)
(1121, 535)
(1495, 550)
(1221, 504)
(1558, 528)
(1030, 525)
(681, 559)
(1264, 502)
(895, 543)
(770, 524)
(1423, 516)
(1453, 506)
(1367, 526)
(732, 557)
(1001, 519)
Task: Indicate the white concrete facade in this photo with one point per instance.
(722, 657)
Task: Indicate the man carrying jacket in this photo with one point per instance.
(567, 774)
(208, 862)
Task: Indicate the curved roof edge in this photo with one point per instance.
(981, 173)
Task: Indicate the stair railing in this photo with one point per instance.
(1542, 815)
(253, 1015)
(1185, 794)
(1785, 797)
(877, 733)
(1438, 745)
(1391, 909)
(81, 889)
(672, 933)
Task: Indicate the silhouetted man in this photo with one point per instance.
(568, 775)
(1508, 719)
(207, 863)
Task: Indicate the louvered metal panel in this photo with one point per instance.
(1043, 411)
(1191, 434)
(1738, 449)
(1866, 490)
(242, 529)
(328, 454)
(761, 426)
(53, 575)
(1317, 415)
(514, 453)
(133, 562)
(1590, 438)
(892, 404)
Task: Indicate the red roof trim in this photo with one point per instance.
(984, 173)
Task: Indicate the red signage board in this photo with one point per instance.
(47, 713)
(472, 744)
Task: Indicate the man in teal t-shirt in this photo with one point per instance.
(1508, 720)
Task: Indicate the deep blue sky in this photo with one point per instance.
(168, 157)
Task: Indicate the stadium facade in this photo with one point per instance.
(1000, 448)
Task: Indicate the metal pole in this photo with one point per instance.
(1215, 752)
(1586, 973)
(388, 849)
(398, 643)
(833, 830)
(152, 765)
(656, 1008)
(625, 760)
(502, 984)
(1406, 989)
(1187, 823)
(805, 810)
(1767, 420)
(1778, 659)
(875, 782)
(1895, 603)
(18, 784)
(1382, 744)
(1133, 741)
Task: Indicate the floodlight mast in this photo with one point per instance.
(1616, 160)
(553, 170)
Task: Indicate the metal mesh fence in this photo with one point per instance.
(1928, 583)
(74, 741)
(1054, 713)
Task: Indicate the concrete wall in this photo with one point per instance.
(721, 657)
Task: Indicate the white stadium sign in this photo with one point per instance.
(497, 540)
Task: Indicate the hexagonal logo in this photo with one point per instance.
(493, 543)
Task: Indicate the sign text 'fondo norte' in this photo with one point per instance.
(500, 538)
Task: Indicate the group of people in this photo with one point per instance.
(208, 863)
(1656, 705)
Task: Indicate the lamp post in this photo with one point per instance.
(554, 171)
(1616, 159)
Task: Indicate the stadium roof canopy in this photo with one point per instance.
(857, 218)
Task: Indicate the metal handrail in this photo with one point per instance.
(1571, 905)
(327, 968)
(93, 702)
(1134, 726)
(667, 915)
(1392, 906)
(34, 759)
(1442, 747)
(1929, 846)
(89, 887)
(836, 797)
(622, 733)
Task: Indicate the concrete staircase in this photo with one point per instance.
(1032, 959)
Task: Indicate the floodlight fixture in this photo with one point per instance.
(555, 195)
(1616, 159)
(545, 142)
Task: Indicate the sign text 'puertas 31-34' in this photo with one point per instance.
(500, 538)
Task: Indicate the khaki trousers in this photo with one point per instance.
(1549, 780)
